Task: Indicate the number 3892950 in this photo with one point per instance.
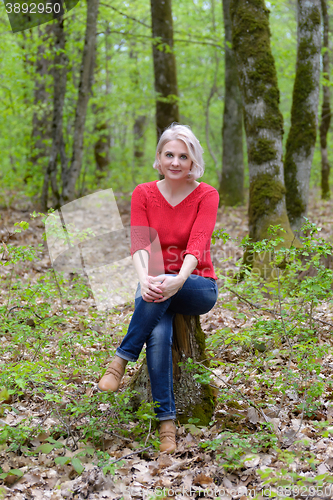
(32, 8)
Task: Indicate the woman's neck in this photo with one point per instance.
(177, 188)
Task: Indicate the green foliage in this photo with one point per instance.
(233, 448)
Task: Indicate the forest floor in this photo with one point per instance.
(60, 439)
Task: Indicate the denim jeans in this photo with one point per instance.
(151, 324)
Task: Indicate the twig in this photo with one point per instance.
(26, 307)
(323, 322)
(126, 15)
(69, 430)
(149, 37)
(131, 454)
(282, 320)
(10, 287)
(252, 304)
(236, 390)
(120, 437)
(148, 432)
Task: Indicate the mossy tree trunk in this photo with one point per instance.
(192, 399)
(326, 107)
(262, 118)
(304, 113)
(232, 179)
(164, 65)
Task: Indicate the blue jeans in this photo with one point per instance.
(151, 324)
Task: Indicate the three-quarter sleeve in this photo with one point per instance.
(140, 233)
(203, 227)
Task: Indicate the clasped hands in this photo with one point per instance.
(159, 289)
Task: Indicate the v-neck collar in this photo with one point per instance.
(175, 206)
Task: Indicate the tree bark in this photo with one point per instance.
(304, 113)
(70, 176)
(139, 128)
(326, 107)
(59, 90)
(262, 118)
(232, 179)
(102, 146)
(192, 399)
(164, 65)
(42, 116)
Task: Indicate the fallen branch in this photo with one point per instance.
(131, 454)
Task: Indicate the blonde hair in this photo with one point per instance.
(185, 134)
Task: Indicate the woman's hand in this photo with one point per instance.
(150, 289)
(169, 286)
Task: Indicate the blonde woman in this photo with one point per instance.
(182, 212)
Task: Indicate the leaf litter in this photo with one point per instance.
(305, 446)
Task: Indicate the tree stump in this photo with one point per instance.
(192, 399)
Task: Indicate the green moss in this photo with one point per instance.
(303, 130)
(263, 151)
(265, 194)
(204, 410)
(251, 41)
(314, 19)
(200, 339)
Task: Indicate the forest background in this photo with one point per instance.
(269, 344)
(121, 108)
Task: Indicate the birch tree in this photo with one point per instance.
(232, 179)
(304, 113)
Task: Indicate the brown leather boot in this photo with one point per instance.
(112, 377)
(168, 436)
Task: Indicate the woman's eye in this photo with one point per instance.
(184, 157)
(168, 155)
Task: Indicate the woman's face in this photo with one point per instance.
(175, 161)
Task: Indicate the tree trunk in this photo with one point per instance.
(326, 108)
(70, 176)
(304, 113)
(192, 399)
(102, 146)
(232, 179)
(139, 128)
(262, 118)
(140, 118)
(164, 65)
(59, 90)
(42, 117)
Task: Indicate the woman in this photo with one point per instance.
(182, 212)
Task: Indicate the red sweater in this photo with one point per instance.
(185, 228)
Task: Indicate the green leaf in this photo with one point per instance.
(45, 448)
(12, 472)
(62, 460)
(77, 465)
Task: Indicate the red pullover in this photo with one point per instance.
(185, 228)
